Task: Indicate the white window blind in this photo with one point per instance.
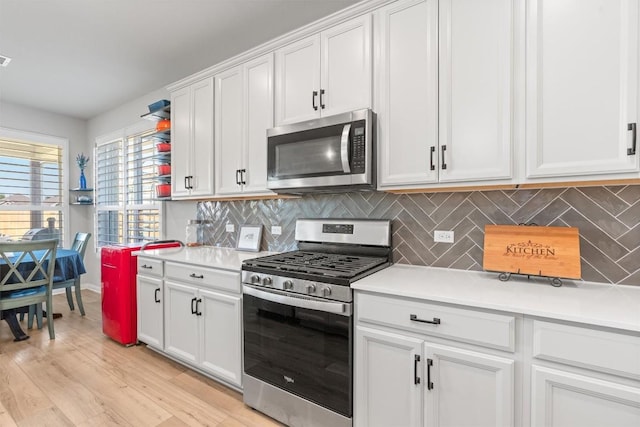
(31, 182)
(109, 177)
(127, 209)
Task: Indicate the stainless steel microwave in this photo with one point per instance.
(329, 154)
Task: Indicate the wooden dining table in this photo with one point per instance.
(69, 265)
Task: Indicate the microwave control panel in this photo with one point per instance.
(358, 150)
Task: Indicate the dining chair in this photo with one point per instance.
(79, 245)
(26, 279)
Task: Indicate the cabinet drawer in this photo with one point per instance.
(475, 327)
(149, 267)
(604, 351)
(205, 277)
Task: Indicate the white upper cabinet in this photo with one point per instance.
(476, 89)
(181, 135)
(325, 74)
(258, 117)
(581, 87)
(244, 112)
(407, 92)
(444, 88)
(192, 140)
(345, 79)
(228, 131)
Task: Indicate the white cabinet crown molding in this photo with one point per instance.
(338, 17)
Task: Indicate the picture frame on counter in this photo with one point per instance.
(249, 238)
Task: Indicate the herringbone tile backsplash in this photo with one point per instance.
(608, 219)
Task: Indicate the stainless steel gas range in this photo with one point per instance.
(298, 320)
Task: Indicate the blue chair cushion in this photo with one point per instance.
(24, 292)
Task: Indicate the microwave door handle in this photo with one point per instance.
(344, 148)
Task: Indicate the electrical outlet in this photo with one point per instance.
(276, 230)
(231, 228)
(443, 236)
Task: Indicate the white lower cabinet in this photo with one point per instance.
(194, 314)
(149, 298)
(203, 328)
(181, 322)
(221, 335)
(410, 382)
(561, 399)
(386, 393)
(405, 378)
(484, 382)
(583, 376)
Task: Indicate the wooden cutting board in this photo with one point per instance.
(534, 250)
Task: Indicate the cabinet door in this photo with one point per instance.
(483, 382)
(407, 92)
(297, 79)
(387, 390)
(229, 134)
(346, 60)
(221, 335)
(582, 86)
(258, 101)
(562, 399)
(476, 43)
(180, 141)
(202, 134)
(181, 325)
(149, 306)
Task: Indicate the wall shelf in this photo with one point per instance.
(81, 196)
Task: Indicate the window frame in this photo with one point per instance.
(40, 138)
(123, 208)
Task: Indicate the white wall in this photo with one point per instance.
(82, 135)
(175, 214)
(28, 119)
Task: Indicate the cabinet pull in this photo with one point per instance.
(313, 100)
(429, 365)
(187, 182)
(242, 179)
(414, 318)
(238, 176)
(155, 295)
(193, 309)
(201, 276)
(416, 378)
(198, 312)
(190, 182)
(145, 266)
(632, 151)
(321, 98)
(432, 152)
(444, 163)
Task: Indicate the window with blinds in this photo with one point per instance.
(126, 208)
(31, 182)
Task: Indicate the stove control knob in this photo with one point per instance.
(311, 288)
(326, 291)
(255, 278)
(287, 285)
(267, 281)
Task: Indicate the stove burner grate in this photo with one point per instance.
(325, 264)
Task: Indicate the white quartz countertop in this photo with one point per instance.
(204, 256)
(615, 306)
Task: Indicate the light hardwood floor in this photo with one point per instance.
(82, 378)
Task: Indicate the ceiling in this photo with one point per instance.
(81, 58)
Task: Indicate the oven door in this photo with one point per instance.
(300, 345)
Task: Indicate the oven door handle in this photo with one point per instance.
(344, 148)
(278, 297)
